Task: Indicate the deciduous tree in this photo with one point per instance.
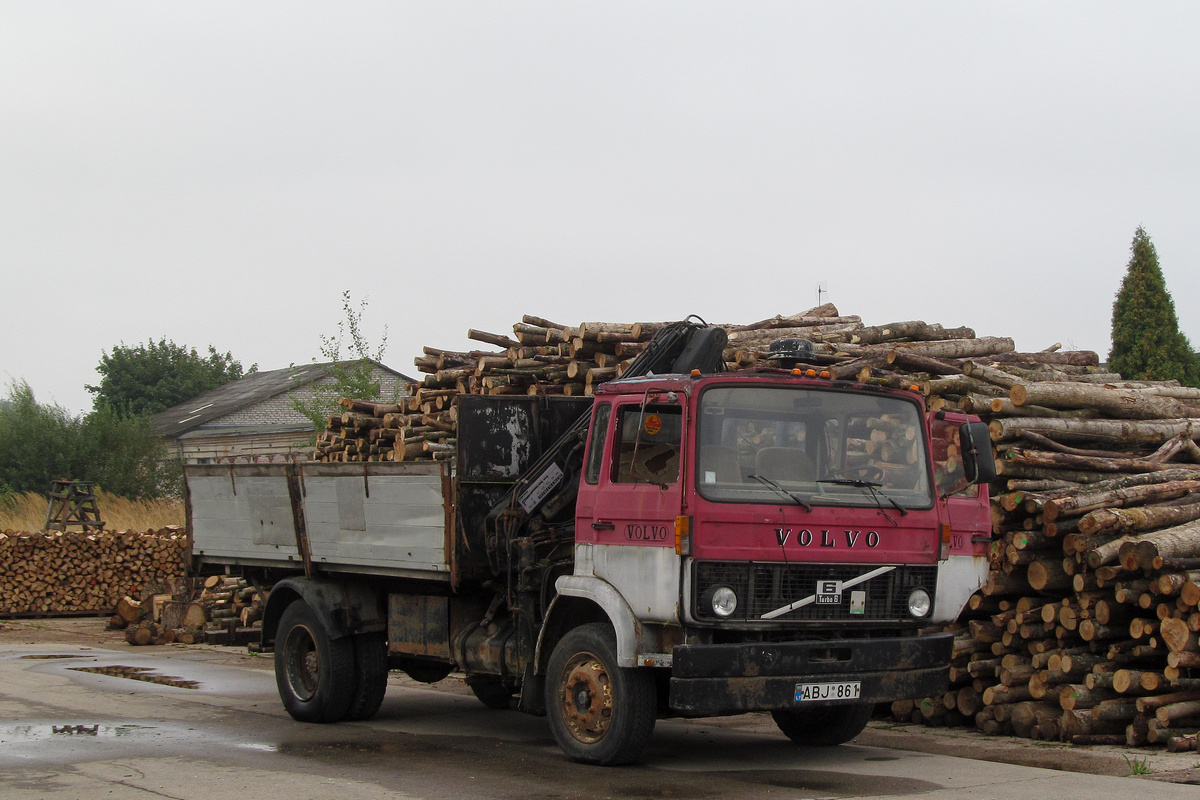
(350, 360)
(152, 377)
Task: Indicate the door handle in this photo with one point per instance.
(601, 525)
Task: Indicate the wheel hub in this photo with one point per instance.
(304, 664)
(587, 698)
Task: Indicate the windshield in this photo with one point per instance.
(826, 447)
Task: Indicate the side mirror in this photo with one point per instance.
(978, 462)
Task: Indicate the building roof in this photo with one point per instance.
(222, 431)
(242, 393)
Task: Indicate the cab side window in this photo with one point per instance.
(648, 444)
(595, 457)
(947, 459)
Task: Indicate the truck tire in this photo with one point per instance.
(494, 694)
(370, 675)
(315, 674)
(599, 713)
(824, 727)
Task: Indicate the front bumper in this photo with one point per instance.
(709, 679)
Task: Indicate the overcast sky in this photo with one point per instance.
(218, 173)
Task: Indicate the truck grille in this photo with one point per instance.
(765, 587)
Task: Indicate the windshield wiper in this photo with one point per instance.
(870, 486)
(852, 482)
(800, 501)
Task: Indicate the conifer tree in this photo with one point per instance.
(1147, 343)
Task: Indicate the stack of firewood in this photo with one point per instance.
(546, 358)
(370, 431)
(1087, 628)
(234, 608)
(541, 357)
(221, 609)
(58, 572)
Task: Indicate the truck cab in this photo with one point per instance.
(777, 540)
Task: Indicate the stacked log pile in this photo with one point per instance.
(540, 358)
(234, 609)
(546, 358)
(1087, 628)
(72, 572)
(369, 431)
(225, 610)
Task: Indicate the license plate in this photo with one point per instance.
(845, 690)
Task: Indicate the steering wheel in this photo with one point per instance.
(869, 472)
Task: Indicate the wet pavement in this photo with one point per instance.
(82, 716)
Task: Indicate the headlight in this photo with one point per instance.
(721, 599)
(919, 603)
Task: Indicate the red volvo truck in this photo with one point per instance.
(687, 542)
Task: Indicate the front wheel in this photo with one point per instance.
(599, 713)
(315, 674)
(824, 727)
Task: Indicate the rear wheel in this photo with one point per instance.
(370, 674)
(315, 674)
(599, 713)
(823, 727)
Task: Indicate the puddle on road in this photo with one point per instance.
(52, 732)
(58, 655)
(844, 784)
(806, 782)
(666, 791)
(140, 674)
(67, 741)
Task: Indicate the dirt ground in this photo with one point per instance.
(962, 742)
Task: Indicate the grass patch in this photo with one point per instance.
(27, 512)
(1137, 766)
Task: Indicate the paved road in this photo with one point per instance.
(70, 731)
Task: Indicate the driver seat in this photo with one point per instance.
(785, 464)
(720, 464)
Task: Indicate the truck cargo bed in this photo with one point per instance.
(377, 518)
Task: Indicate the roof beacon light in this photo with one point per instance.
(789, 351)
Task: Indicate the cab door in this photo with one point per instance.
(967, 509)
(628, 514)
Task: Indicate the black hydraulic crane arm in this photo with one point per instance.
(530, 524)
(677, 348)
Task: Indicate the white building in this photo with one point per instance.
(253, 420)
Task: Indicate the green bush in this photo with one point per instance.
(37, 443)
(43, 443)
